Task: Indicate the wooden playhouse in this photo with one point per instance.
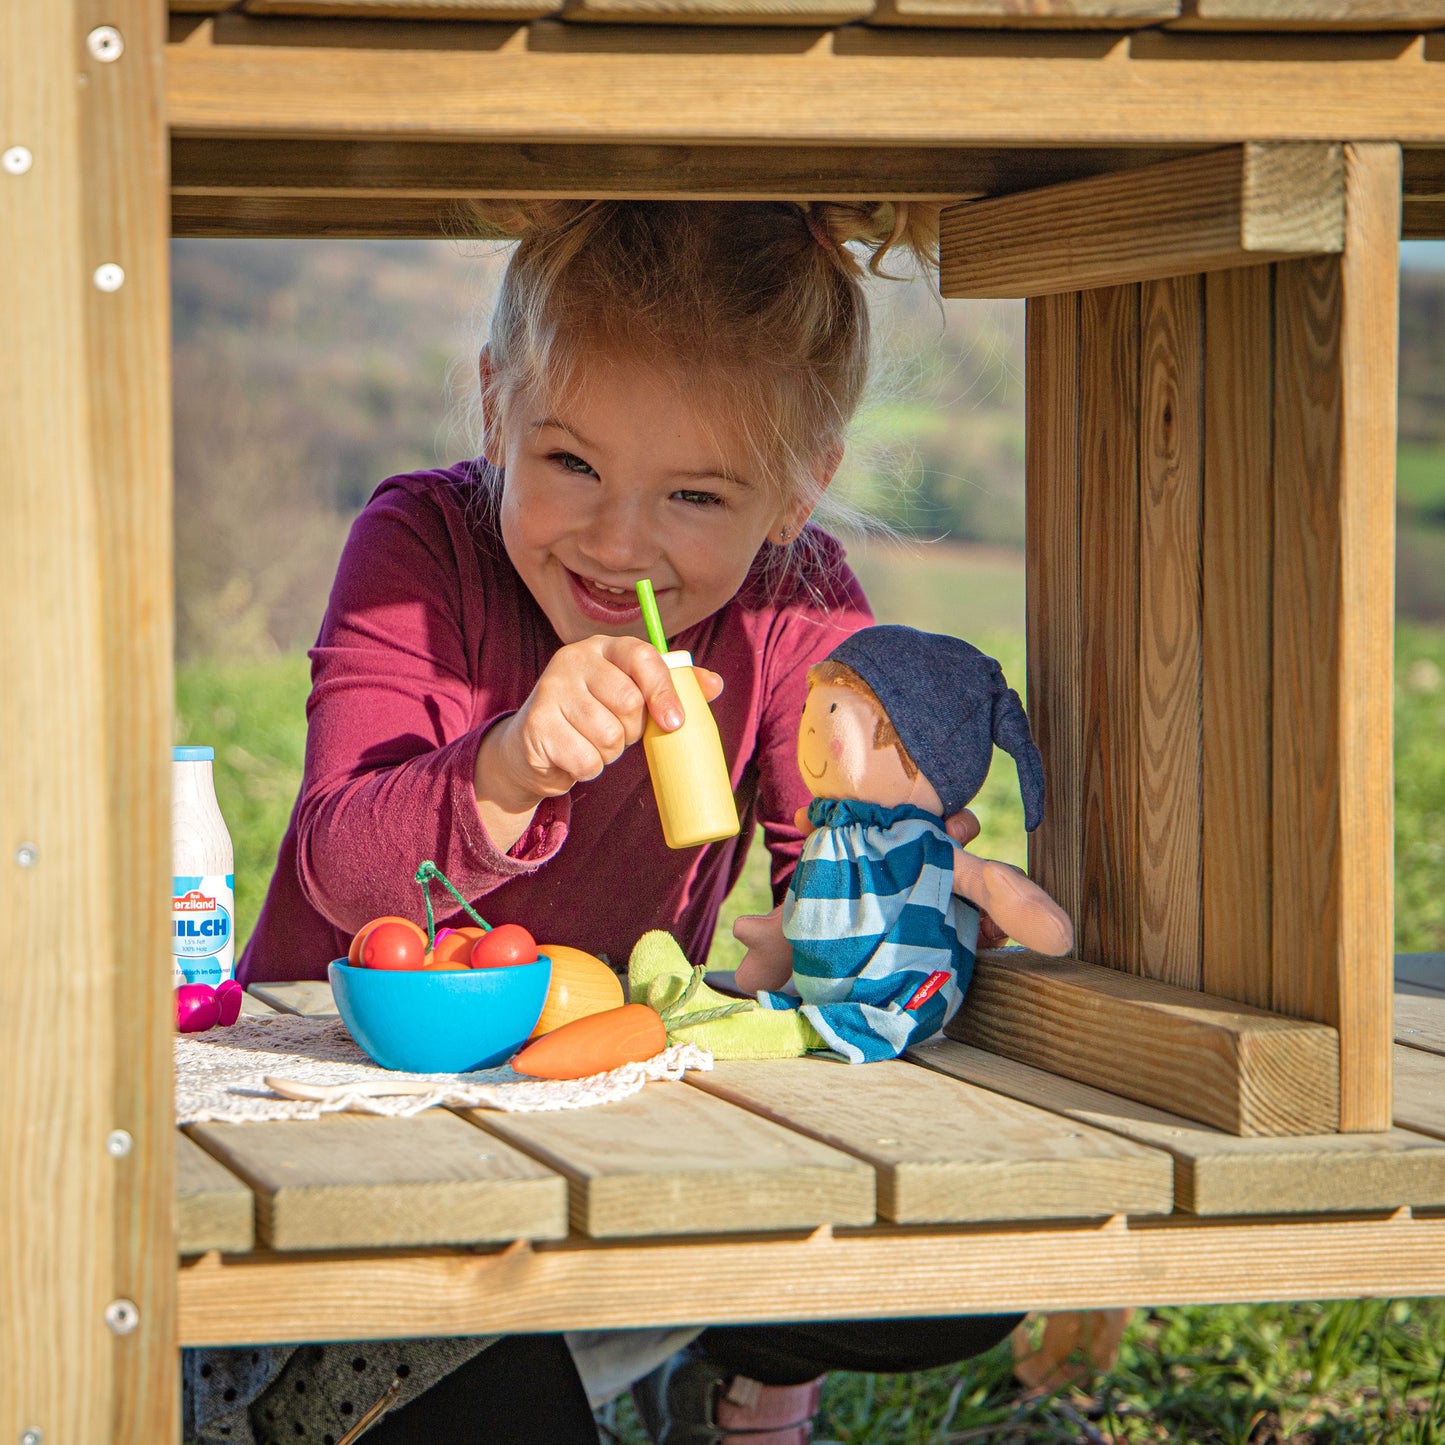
(1202, 200)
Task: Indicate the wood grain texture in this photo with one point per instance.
(877, 1273)
(1171, 333)
(1336, 346)
(1222, 1174)
(59, 769)
(1420, 1017)
(1228, 207)
(946, 1152)
(404, 9)
(1225, 1064)
(1106, 926)
(123, 155)
(1422, 218)
(214, 1209)
(1311, 14)
(396, 169)
(348, 1181)
(1237, 612)
(1053, 615)
(1069, 14)
(672, 1160)
(719, 12)
(1419, 1077)
(308, 996)
(863, 85)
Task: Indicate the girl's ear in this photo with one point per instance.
(490, 438)
(797, 512)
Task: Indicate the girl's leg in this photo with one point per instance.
(521, 1391)
(795, 1354)
(759, 1384)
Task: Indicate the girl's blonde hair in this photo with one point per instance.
(758, 306)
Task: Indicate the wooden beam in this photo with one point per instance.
(1171, 368)
(1231, 207)
(1237, 1068)
(1054, 617)
(353, 1181)
(719, 12)
(1311, 14)
(1238, 537)
(1106, 925)
(944, 1151)
(1222, 1174)
(1336, 353)
(825, 1275)
(675, 1161)
(87, 1151)
(214, 1209)
(231, 76)
(1028, 14)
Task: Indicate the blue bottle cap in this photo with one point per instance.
(193, 755)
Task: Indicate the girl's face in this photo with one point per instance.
(622, 480)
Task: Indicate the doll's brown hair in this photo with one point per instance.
(756, 308)
(839, 674)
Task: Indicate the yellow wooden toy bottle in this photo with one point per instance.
(689, 771)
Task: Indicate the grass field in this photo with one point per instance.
(1336, 1373)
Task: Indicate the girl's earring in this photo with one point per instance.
(783, 534)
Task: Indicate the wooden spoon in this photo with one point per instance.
(371, 1088)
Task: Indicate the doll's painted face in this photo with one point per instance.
(838, 759)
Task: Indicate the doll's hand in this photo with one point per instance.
(802, 822)
(588, 706)
(1020, 907)
(768, 962)
(962, 826)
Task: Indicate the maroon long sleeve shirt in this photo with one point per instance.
(429, 638)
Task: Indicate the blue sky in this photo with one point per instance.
(1422, 255)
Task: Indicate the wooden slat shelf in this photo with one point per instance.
(255, 77)
(953, 1136)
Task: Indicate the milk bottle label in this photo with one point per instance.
(202, 933)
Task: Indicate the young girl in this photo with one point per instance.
(665, 395)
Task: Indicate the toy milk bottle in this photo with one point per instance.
(203, 902)
(689, 771)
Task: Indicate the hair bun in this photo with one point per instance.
(877, 227)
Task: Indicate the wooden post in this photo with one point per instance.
(87, 1291)
(1209, 669)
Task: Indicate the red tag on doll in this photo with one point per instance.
(926, 990)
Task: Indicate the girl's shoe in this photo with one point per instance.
(688, 1400)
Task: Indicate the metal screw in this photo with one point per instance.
(117, 1143)
(121, 1316)
(26, 856)
(106, 43)
(109, 277)
(17, 160)
(32, 1436)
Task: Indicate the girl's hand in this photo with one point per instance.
(587, 707)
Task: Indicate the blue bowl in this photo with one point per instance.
(445, 1022)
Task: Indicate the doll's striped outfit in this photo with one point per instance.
(876, 927)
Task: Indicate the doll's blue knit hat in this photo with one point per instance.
(950, 704)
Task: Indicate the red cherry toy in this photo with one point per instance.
(503, 946)
(394, 946)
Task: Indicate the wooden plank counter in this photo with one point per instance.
(993, 1185)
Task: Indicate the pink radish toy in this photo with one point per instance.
(200, 1007)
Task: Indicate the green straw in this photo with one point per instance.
(648, 602)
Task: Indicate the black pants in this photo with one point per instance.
(525, 1389)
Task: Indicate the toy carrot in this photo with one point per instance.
(616, 1036)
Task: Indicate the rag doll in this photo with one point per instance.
(874, 942)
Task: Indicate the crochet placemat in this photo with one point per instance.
(220, 1074)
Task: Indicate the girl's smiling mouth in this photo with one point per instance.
(611, 606)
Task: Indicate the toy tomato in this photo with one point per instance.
(353, 954)
(504, 946)
(399, 946)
